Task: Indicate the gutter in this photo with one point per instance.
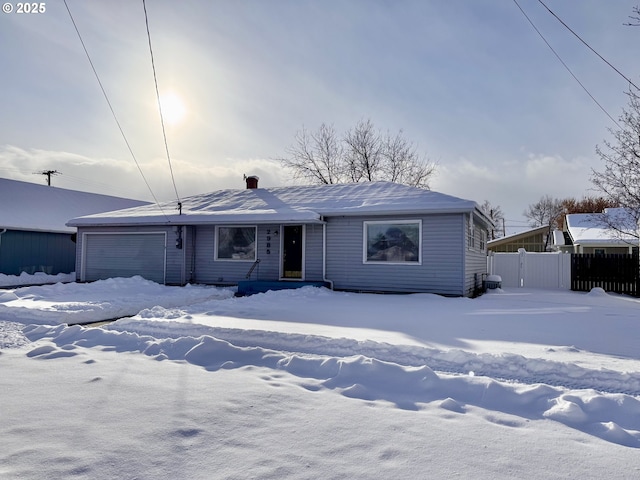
(396, 212)
(316, 218)
(194, 223)
(4, 230)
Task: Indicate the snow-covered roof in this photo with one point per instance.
(33, 207)
(592, 229)
(518, 236)
(558, 238)
(308, 203)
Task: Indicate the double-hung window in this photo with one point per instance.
(483, 240)
(471, 233)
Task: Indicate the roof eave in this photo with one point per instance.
(239, 220)
(39, 230)
(191, 221)
(408, 211)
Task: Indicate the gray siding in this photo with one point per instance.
(448, 267)
(189, 246)
(268, 253)
(30, 252)
(475, 259)
(175, 259)
(441, 271)
(313, 253)
(211, 271)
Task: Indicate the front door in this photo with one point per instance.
(292, 251)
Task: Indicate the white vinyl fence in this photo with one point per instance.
(531, 270)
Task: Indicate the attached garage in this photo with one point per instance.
(109, 255)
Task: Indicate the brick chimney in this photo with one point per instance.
(252, 181)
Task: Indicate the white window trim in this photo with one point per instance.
(232, 260)
(393, 222)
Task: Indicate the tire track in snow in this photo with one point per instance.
(612, 417)
(506, 367)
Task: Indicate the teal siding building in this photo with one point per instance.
(34, 236)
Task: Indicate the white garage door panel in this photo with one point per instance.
(124, 255)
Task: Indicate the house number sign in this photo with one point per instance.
(268, 241)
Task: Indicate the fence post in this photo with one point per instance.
(522, 266)
(490, 262)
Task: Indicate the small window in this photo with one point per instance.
(471, 234)
(483, 240)
(599, 251)
(236, 243)
(393, 242)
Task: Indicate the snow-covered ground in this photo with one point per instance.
(38, 278)
(311, 383)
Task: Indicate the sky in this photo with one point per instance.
(469, 83)
(311, 383)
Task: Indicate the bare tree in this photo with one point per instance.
(363, 154)
(620, 180)
(635, 19)
(545, 212)
(496, 216)
(402, 163)
(316, 157)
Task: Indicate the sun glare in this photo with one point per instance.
(173, 108)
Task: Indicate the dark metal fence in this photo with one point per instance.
(619, 273)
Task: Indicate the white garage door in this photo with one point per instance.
(124, 255)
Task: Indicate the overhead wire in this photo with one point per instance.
(587, 45)
(565, 65)
(103, 187)
(155, 80)
(115, 117)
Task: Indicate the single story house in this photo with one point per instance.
(532, 240)
(589, 233)
(34, 236)
(372, 236)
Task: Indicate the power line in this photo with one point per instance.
(48, 174)
(102, 188)
(112, 110)
(588, 46)
(70, 179)
(155, 79)
(565, 65)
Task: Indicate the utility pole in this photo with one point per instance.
(48, 174)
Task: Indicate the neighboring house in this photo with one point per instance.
(33, 232)
(588, 233)
(533, 240)
(372, 236)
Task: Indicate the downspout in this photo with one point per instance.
(324, 256)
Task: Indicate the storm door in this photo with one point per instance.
(292, 251)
